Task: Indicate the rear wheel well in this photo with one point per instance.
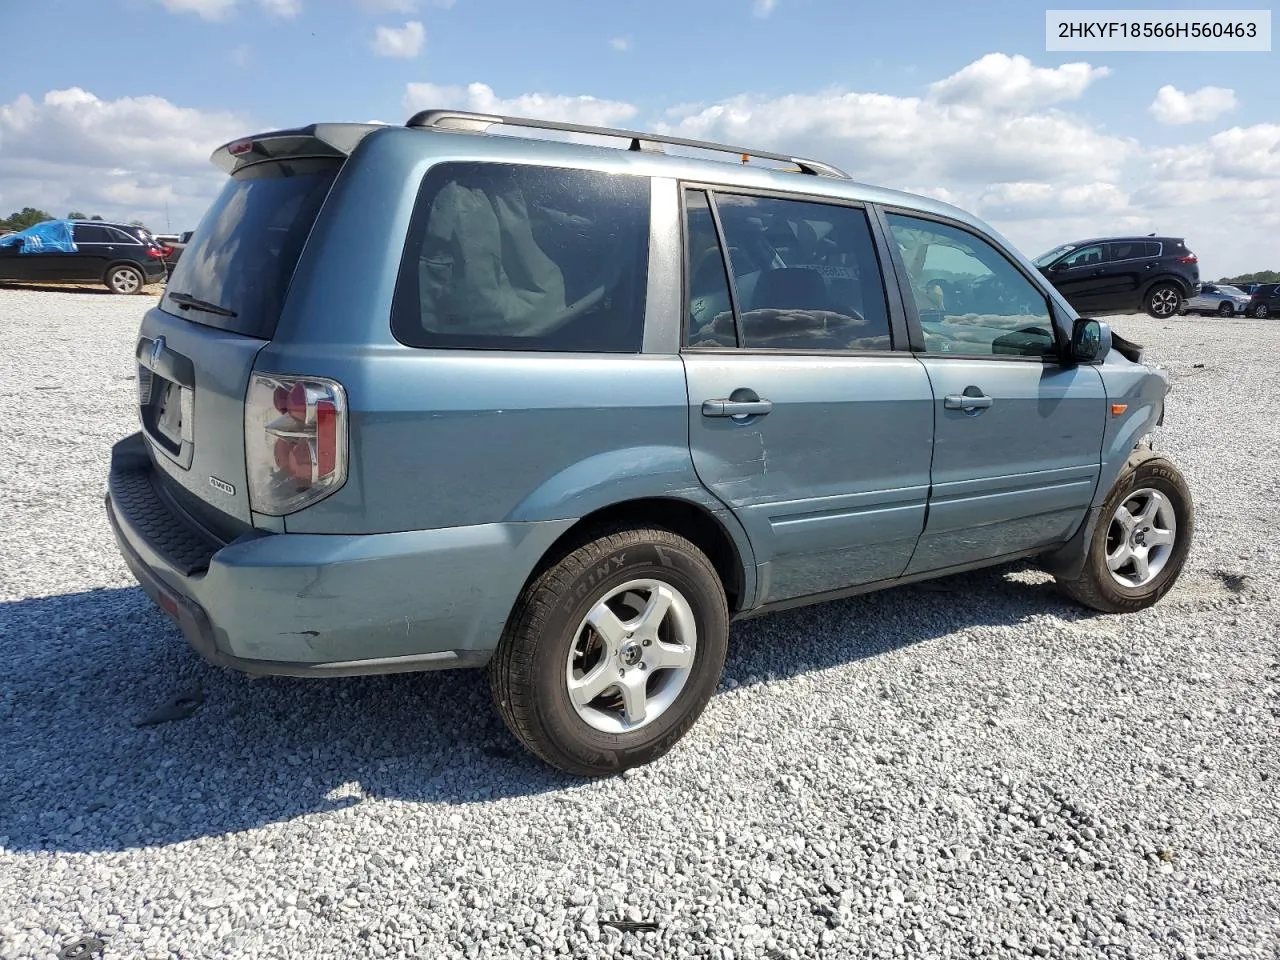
(688, 520)
(1170, 279)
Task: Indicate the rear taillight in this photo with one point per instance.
(1189, 258)
(157, 253)
(295, 441)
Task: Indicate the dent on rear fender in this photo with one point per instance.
(637, 473)
(614, 477)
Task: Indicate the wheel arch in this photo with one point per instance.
(1173, 278)
(715, 533)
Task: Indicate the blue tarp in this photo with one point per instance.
(52, 236)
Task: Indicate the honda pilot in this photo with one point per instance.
(423, 397)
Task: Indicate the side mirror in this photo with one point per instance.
(1090, 340)
(1058, 267)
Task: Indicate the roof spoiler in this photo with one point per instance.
(316, 140)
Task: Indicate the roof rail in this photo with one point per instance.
(647, 142)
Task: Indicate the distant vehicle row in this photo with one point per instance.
(1158, 275)
(122, 256)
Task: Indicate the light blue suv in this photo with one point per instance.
(427, 396)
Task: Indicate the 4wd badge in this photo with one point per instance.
(222, 485)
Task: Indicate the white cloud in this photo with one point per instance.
(206, 9)
(1039, 173)
(884, 138)
(1025, 200)
(621, 44)
(405, 42)
(285, 9)
(480, 97)
(1172, 106)
(125, 158)
(762, 8)
(999, 81)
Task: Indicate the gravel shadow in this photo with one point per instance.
(80, 774)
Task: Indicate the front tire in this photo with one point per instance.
(1141, 542)
(1261, 311)
(612, 653)
(1226, 310)
(1163, 301)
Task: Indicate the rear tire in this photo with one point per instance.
(1163, 301)
(612, 653)
(125, 280)
(1136, 555)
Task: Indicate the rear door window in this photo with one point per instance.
(242, 257)
(805, 275)
(1133, 250)
(515, 257)
(90, 233)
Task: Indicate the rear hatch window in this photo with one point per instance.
(235, 272)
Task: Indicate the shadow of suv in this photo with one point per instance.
(1123, 274)
(565, 411)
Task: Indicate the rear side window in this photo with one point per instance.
(242, 256)
(515, 257)
(89, 233)
(805, 275)
(1134, 250)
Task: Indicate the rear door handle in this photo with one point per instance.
(736, 408)
(958, 401)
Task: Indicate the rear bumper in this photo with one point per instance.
(321, 605)
(154, 270)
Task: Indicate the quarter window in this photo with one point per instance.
(970, 298)
(513, 257)
(805, 276)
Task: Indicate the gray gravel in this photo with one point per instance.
(967, 768)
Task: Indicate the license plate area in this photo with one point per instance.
(167, 419)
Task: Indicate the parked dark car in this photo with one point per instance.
(123, 257)
(1123, 274)
(1265, 301)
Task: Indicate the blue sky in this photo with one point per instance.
(157, 83)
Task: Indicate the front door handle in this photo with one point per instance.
(736, 408)
(958, 401)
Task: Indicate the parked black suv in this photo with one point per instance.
(1123, 274)
(1265, 301)
(124, 257)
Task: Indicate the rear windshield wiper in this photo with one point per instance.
(186, 302)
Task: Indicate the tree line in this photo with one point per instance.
(30, 216)
(1260, 276)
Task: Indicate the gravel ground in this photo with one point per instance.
(972, 767)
